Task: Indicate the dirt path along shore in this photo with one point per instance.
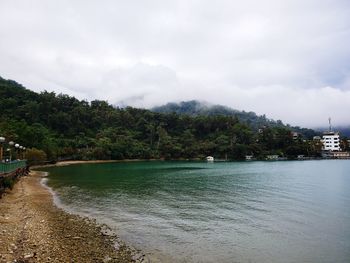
(33, 229)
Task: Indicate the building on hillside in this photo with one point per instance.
(301, 157)
(331, 141)
(295, 135)
(249, 157)
(261, 129)
(272, 157)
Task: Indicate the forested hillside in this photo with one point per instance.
(195, 108)
(68, 128)
(343, 130)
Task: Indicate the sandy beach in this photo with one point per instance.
(33, 229)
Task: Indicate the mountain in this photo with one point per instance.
(343, 130)
(197, 108)
(62, 127)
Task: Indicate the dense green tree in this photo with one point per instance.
(64, 127)
(35, 156)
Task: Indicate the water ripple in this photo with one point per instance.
(222, 212)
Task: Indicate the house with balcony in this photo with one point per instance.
(331, 141)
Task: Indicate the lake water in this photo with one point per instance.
(291, 211)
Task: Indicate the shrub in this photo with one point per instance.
(35, 156)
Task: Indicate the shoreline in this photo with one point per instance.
(34, 229)
(72, 162)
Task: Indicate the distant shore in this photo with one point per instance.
(33, 229)
(65, 163)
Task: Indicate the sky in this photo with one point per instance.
(287, 59)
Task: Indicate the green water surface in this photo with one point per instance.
(292, 211)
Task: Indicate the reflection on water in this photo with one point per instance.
(218, 212)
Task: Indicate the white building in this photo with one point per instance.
(272, 157)
(295, 135)
(331, 141)
(249, 157)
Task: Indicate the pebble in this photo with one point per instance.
(107, 259)
(30, 255)
(54, 235)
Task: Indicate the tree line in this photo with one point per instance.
(64, 127)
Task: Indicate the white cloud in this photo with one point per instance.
(288, 59)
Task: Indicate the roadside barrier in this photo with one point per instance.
(10, 172)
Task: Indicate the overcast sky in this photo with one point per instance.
(288, 59)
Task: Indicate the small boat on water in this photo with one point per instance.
(210, 159)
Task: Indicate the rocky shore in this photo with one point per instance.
(33, 229)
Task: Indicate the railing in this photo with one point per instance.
(12, 166)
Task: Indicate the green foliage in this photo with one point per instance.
(35, 156)
(63, 127)
(8, 182)
(196, 108)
